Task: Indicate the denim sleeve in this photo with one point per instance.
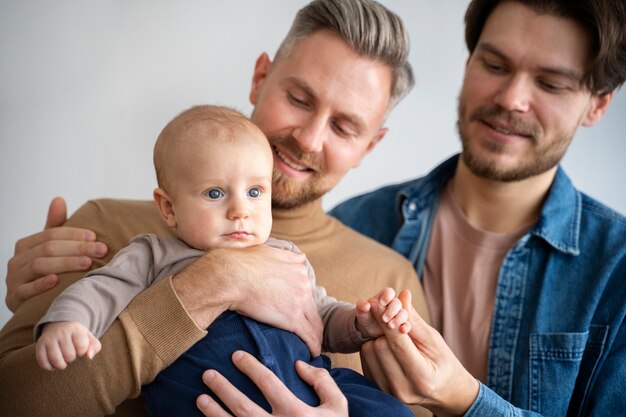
(490, 404)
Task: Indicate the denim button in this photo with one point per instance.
(412, 206)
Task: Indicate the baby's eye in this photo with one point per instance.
(254, 192)
(214, 193)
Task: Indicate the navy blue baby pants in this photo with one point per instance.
(175, 389)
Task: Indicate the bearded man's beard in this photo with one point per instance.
(540, 158)
(288, 193)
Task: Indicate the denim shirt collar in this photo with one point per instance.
(425, 192)
(559, 221)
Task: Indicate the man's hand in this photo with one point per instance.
(40, 257)
(282, 401)
(419, 367)
(268, 284)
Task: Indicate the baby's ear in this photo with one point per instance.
(166, 208)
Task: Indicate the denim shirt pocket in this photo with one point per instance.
(558, 363)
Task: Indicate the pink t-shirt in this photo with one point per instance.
(460, 279)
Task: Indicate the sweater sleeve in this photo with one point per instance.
(148, 336)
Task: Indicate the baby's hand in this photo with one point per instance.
(62, 342)
(392, 313)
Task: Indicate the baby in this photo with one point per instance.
(214, 174)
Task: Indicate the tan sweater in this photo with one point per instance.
(155, 329)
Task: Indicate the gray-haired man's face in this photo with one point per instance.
(322, 107)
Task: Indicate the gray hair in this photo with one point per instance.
(368, 27)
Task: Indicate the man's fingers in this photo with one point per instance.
(420, 330)
(57, 213)
(54, 265)
(269, 384)
(30, 289)
(397, 369)
(235, 400)
(423, 335)
(25, 283)
(372, 368)
(418, 352)
(310, 333)
(55, 234)
(312, 330)
(58, 248)
(323, 384)
(209, 407)
(386, 358)
(52, 258)
(401, 347)
(406, 298)
(405, 327)
(311, 341)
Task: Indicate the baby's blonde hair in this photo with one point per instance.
(217, 122)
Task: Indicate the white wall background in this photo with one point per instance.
(85, 87)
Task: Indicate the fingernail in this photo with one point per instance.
(237, 355)
(50, 280)
(100, 250)
(89, 236)
(84, 262)
(203, 400)
(209, 375)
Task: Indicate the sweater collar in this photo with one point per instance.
(300, 221)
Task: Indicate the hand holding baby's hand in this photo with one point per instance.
(62, 342)
(392, 313)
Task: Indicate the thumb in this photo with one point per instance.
(420, 330)
(323, 384)
(406, 298)
(57, 213)
(423, 335)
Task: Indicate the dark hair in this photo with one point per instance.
(604, 20)
(368, 27)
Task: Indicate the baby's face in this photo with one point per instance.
(222, 195)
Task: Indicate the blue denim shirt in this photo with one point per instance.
(558, 336)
